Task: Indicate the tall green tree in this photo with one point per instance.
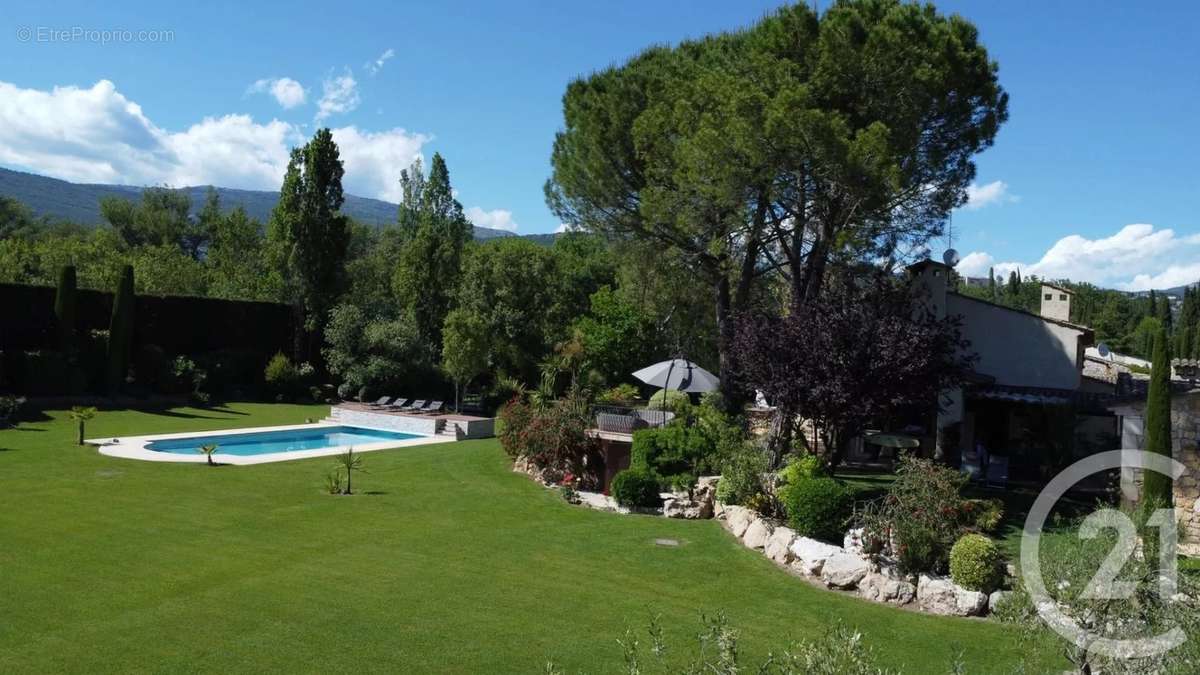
(160, 218)
(120, 331)
(309, 235)
(1156, 486)
(464, 349)
(65, 303)
(16, 220)
(1164, 314)
(992, 292)
(434, 233)
(800, 144)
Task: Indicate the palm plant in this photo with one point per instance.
(351, 463)
(81, 414)
(208, 451)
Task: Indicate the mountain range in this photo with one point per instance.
(80, 202)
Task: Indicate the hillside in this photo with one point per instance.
(80, 202)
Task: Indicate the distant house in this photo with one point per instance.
(1027, 406)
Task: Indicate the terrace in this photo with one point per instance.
(453, 425)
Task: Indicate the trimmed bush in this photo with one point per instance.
(669, 399)
(818, 507)
(120, 332)
(64, 308)
(282, 376)
(975, 563)
(635, 488)
(674, 452)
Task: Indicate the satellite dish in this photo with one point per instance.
(950, 257)
(1103, 349)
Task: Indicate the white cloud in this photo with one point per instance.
(567, 227)
(1137, 258)
(995, 192)
(338, 95)
(496, 219)
(377, 65)
(287, 92)
(374, 159)
(98, 135)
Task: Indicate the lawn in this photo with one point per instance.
(446, 562)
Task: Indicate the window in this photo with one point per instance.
(1062, 296)
(1049, 296)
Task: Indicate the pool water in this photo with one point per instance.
(267, 442)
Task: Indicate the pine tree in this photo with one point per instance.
(64, 308)
(1156, 486)
(120, 331)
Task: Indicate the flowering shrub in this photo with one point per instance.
(920, 517)
(552, 438)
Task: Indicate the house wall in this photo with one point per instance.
(1019, 349)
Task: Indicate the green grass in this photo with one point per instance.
(445, 561)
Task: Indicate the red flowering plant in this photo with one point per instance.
(551, 439)
(920, 517)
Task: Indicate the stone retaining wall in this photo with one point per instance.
(1185, 441)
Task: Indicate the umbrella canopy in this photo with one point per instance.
(679, 374)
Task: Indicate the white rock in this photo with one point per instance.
(996, 598)
(852, 542)
(940, 595)
(779, 546)
(844, 570)
(757, 534)
(809, 555)
(882, 588)
(737, 519)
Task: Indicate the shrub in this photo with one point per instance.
(975, 563)
(282, 376)
(669, 399)
(985, 514)
(801, 467)
(552, 437)
(635, 488)
(674, 452)
(151, 368)
(818, 507)
(920, 517)
(120, 332)
(9, 407)
(742, 475)
(622, 394)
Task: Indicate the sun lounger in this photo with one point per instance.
(381, 403)
(415, 406)
(434, 407)
(396, 404)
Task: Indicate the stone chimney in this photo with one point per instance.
(1056, 303)
(934, 279)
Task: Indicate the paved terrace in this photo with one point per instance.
(446, 424)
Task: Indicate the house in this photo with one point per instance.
(1028, 404)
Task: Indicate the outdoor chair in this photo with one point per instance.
(434, 407)
(997, 472)
(397, 403)
(415, 406)
(381, 403)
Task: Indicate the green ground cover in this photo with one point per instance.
(444, 562)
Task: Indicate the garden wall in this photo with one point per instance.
(178, 324)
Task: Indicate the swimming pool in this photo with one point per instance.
(263, 444)
(286, 440)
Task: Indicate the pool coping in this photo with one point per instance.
(134, 447)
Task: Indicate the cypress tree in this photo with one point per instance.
(120, 331)
(1157, 486)
(64, 308)
(992, 284)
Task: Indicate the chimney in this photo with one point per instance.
(934, 280)
(1056, 303)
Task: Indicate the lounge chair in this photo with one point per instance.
(434, 407)
(415, 406)
(396, 404)
(381, 403)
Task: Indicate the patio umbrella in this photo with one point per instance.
(679, 374)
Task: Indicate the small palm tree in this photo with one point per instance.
(81, 415)
(351, 463)
(208, 451)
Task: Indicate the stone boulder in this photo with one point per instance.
(996, 598)
(757, 534)
(852, 542)
(844, 570)
(809, 555)
(706, 489)
(940, 595)
(683, 505)
(737, 519)
(883, 588)
(779, 546)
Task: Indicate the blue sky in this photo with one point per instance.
(1101, 134)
